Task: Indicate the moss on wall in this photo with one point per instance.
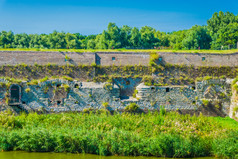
(152, 75)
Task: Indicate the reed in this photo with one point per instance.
(127, 134)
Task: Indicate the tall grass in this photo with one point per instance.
(152, 134)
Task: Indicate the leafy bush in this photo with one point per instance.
(66, 87)
(205, 102)
(132, 107)
(135, 92)
(235, 109)
(67, 58)
(27, 90)
(108, 86)
(105, 104)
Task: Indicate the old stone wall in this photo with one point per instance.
(200, 59)
(58, 95)
(43, 58)
(234, 104)
(122, 58)
(115, 58)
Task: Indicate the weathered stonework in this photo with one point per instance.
(234, 104)
(116, 58)
(59, 95)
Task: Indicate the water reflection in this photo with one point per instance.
(26, 155)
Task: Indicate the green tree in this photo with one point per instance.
(228, 35)
(217, 24)
(176, 38)
(147, 37)
(125, 36)
(135, 39)
(197, 37)
(163, 39)
(6, 39)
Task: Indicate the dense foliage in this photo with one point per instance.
(220, 33)
(159, 134)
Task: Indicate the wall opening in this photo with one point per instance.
(152, 88)
(167, 89)
(76, 86)
(58, 102)
(113, 58)
(58, 85)
(203, 58)
(15, 91)
(193, 87)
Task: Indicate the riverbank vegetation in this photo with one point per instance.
(153, 134)
(220, 33)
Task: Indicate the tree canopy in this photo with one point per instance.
(221, 32)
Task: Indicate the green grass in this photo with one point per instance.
(158, 134)
(124, 50)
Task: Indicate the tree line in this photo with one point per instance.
(221, 32)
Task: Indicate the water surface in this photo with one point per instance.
(35, 155)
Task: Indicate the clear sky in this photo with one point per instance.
(92, 16)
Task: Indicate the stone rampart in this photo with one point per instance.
(115, 58)
(43, 58)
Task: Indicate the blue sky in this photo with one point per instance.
(92, 16)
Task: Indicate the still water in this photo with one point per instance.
(26, 155)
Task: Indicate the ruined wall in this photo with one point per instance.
(115, 58)
(122, 58)
(234, 104)
(43, 58)
(201, 59)
(58, 95)
(171, 97)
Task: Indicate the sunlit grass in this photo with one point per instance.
(124, 50)
(159, 134)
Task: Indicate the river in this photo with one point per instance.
(35, 155)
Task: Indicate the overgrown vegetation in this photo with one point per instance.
(163, 134)
(132, 108)
(166, 74)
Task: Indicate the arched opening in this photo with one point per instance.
(15, 94)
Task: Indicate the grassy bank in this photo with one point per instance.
(123, 50)
(160, 134)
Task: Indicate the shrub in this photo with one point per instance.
(105, 104)
(27, 90)
(162, 110)
(235, 109)
(108, 86)
(66, 87)
(205, 102)
(132, 107)
(67, 58)
(135, 92)
(154, 57)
